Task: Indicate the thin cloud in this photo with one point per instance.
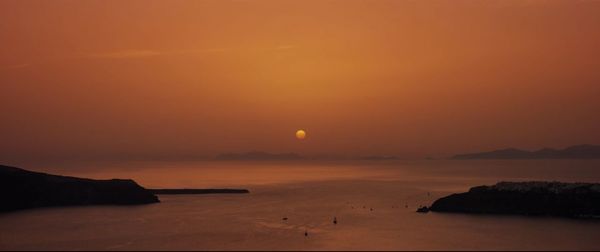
(125, 54)
(212, 50)
(129, 54)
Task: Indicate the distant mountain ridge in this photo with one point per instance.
(376, 157)
(584, 151)
(266, 156)
(259, 155)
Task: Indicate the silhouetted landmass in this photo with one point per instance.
(580, 200)
(585, 151)
(22, 189)
(197, 191)
(378, 158)
(259, 155)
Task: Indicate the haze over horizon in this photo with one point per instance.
(115, 79)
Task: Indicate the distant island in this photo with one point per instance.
(259, 155)
(197, 191)
(585, 151)
(374, 158)
(579, 200)
(22, 189)
(266, 156)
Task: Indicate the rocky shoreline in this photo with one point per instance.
(21, 189)
(578, 200)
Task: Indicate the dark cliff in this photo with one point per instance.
(526, 198)
(22, 189)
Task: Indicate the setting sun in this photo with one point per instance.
(300, 134)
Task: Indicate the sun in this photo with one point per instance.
(300, 134)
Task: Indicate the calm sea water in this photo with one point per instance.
(374, 203)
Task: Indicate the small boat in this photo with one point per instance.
(334, 220)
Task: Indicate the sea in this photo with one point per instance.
(292, 204)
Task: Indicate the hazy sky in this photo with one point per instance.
(111, 79)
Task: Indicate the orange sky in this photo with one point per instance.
(106, 79)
